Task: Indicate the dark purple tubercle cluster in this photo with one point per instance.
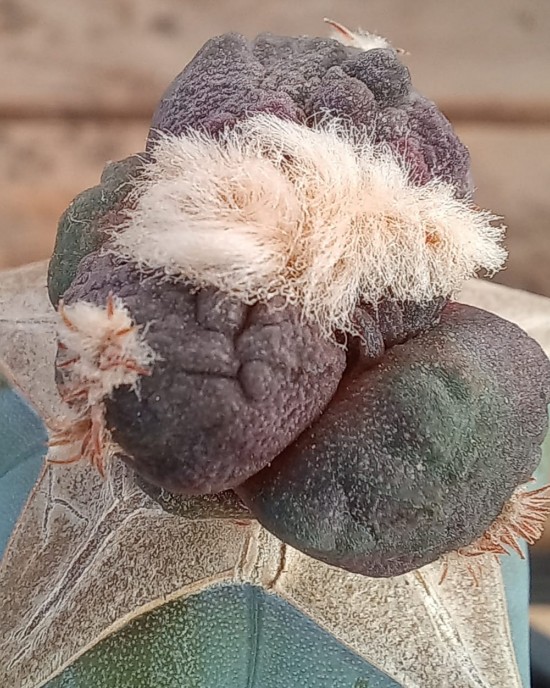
(377, 452)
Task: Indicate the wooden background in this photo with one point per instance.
(79, 80)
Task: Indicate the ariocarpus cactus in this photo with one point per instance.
(262, 302)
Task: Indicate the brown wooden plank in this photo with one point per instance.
(115, 57)
(511, 167)
(43, 165)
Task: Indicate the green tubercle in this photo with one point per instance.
(229, 636)
(82, 227)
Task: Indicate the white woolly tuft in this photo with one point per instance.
(357, 39)
(275, 208)
(105, 348)
(100, 350)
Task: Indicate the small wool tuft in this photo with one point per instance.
(523, 517)
(101, 350)
(105, 345)
(357, 39)
(321, 217)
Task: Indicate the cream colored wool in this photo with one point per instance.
(106, 350)
(103, 350)
(271, 207)
(357, 39)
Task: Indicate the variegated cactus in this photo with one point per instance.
(259, 349)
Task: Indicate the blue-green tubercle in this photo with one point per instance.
(233, 636)
(23, 441)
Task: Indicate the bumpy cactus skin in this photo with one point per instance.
(417, 456)
(233, 386)
(82, 227)
(308, 79)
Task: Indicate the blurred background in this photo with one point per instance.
(79, 81)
